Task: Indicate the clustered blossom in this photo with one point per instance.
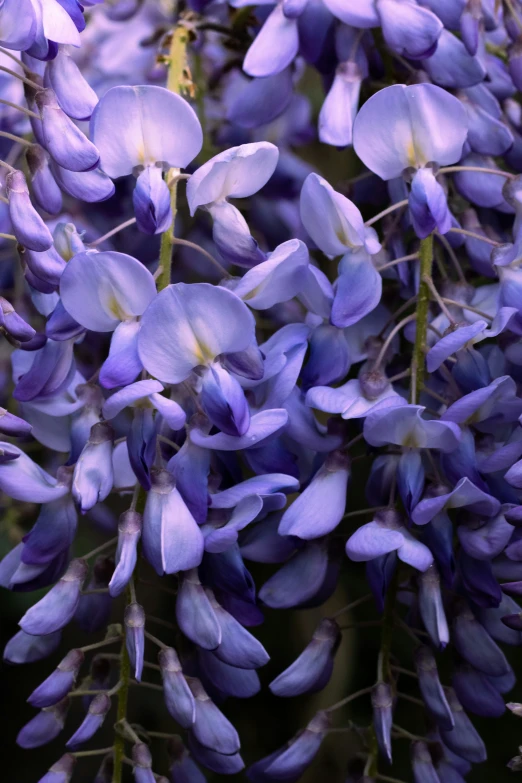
(204, 398)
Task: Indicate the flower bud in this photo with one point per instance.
(135, 636)
(320, 508)
(25, 648)
(74, 94)
(431, 688)
(373, 383)
(142, 759)
(422, 763)
(46, 192)
(129, 533)
(382, 705)
(151, 199)
(59, 683)
(12, 425)
(65, 143)
(313, 668)
(61, 771)
(178, 697)
(475, 644)
(172, 540)
(222, 763)
(182, 768)
(98, 709)
(28, 227)
(431, 607)
(290, 762)
(57, 608)
(221, 678)
(477, 692)
(211, 728)
(463, 739)
(106, 771)
(224, 400)
(194, 613)
(43, 270)
(13, 324)
(237, 647)
(44, 727)
(67, 240)
(93, 473)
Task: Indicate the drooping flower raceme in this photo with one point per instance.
(425, 127)
(288, 375)
(161, 131)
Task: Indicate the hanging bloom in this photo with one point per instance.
(212, 320)
(59, 683)
(342, 102)
(172, 541)
(424, 126)
(142, 393)
(74, 93)
(313, 668)
(336, 226)
(403, 425)
(235, 173)
(30, 230)
(387, 533)
(58, 606)
(320, 507)
(408, 28)
(146, 148)
(63, 140)
(107, 292)
(129, 533)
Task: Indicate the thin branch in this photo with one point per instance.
(387, 211)
(101, 548)
(113, 231)
(397, 328)
(454, 260)
(348, 699)
(351, 606)
(431, 285)
(477, 169)
(187, 243)
(16, 106)
(23, 79)
(467, 307)
(411, 257)
(471, 234)
(18, 139)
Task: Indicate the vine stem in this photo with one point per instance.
(178, 82)
(384, 673)
(423, 301)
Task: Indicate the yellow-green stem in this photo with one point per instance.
(417, 379)
(421, 327)
(178, 81)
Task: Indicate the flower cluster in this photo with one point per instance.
(203, 399)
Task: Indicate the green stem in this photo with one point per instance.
(179, 82)
(423, 303)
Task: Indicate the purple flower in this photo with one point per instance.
(57, 608)
(320, 507)
(387, 533)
